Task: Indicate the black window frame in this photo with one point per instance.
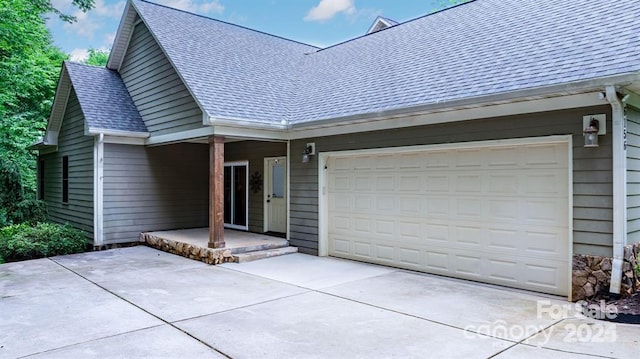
(65, 179)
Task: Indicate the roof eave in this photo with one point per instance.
(123, 35)
(92, 131)
(595, 84)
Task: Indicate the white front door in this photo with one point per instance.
(275, 194)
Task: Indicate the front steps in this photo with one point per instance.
(266, 253)
(240, 247)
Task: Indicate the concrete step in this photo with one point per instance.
(261, 254)
(271, 244)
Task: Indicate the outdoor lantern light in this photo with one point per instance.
(309, 151)
(591, 133)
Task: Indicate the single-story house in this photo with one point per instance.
(497, 140)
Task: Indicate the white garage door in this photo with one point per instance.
(496, 214)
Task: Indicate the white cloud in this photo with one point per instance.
(113, 10)
(327, 9)
(85, 25)
(79, 55)
(207, 7)
(211, 7)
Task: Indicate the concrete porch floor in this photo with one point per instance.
(240, 246)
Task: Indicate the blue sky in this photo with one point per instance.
(317, 22)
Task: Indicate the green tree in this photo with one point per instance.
(97, 57)
(45, 7)
(29, 69)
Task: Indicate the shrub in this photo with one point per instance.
(23, 241)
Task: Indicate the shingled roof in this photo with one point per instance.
(104, 99)
(480, 49)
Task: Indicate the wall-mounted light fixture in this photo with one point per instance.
(593, 126)
(309, 150)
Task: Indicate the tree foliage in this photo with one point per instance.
(45, 7)
(16, 205)
(29, 69)
(97, 57)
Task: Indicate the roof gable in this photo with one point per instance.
(104, 101)
(381, 23)
(234, 73)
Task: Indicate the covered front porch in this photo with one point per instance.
(239, 246)
(247, 188)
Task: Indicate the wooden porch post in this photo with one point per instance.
(216, 192)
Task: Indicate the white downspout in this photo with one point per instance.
(98, 190)
(619, 130)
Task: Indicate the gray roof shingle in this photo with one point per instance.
(481, 48)
(104, 99)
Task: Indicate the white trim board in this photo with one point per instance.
(455, 115)
(98, 191)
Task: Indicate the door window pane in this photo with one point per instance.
(277, 181)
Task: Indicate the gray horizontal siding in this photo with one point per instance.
(254, 152)
(633, 175)
(154, 188)
(165, 104)
(592, 168)
(73, 143)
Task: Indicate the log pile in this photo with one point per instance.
(203, 254)
(591, 275)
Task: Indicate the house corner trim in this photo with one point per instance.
(98, 191)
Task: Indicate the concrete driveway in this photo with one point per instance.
(139, 302)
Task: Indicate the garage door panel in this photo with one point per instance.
(363, 183)
(468, 208)
(503, 270)
(503, 184)
(540, 244)
(437, 184)
(502, 157)
(471, 183)
(467, 266)
(385, 253)
(545, 156)
(495, 214)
